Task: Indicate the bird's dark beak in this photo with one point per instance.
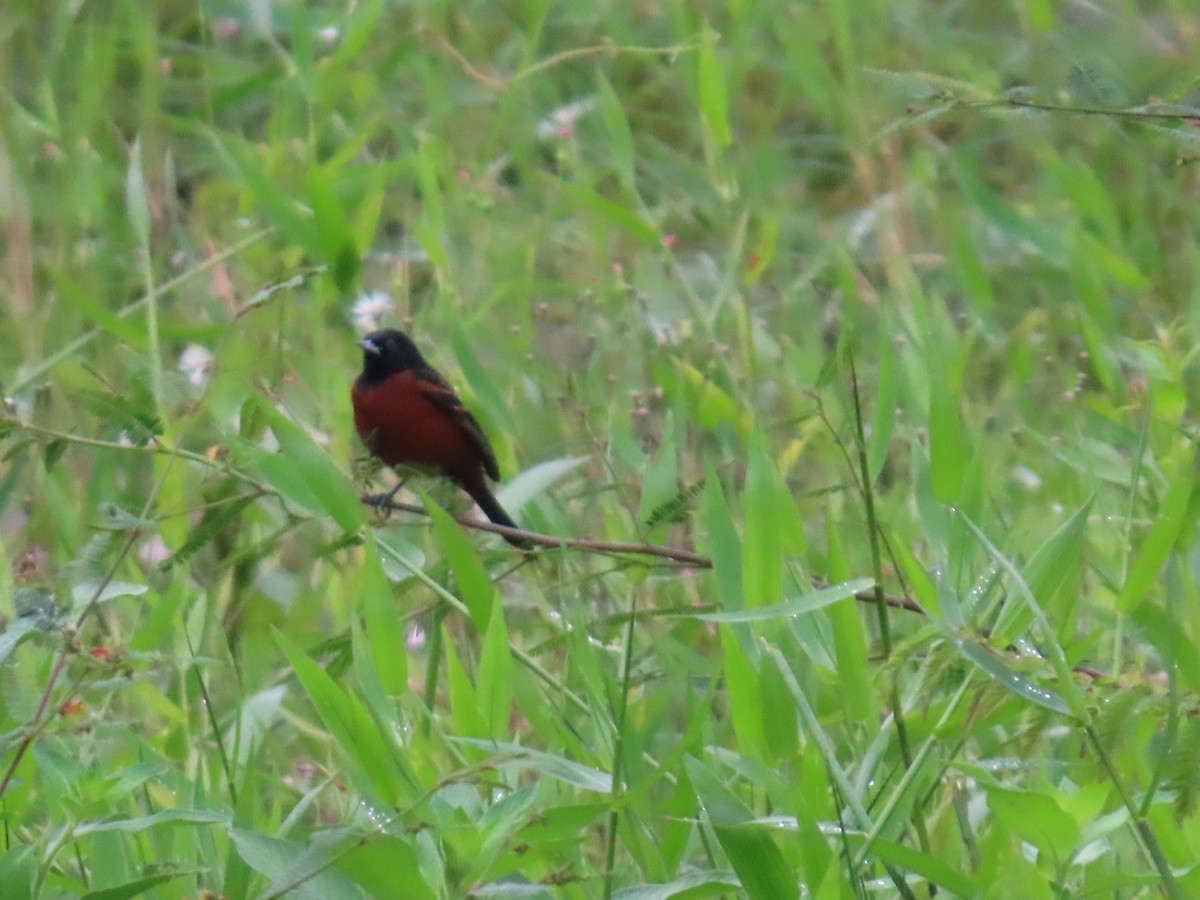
(370, 346)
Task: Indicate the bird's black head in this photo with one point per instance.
(387, 352)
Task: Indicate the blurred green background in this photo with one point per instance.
(875, 293)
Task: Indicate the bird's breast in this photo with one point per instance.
(399, 424)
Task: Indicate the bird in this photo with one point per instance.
(409, 416)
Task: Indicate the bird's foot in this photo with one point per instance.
(384, 500)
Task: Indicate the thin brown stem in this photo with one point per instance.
(1089, 110)
(153, 446)
(40, 718)
(675, 555)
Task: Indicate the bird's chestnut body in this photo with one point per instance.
(408, 416)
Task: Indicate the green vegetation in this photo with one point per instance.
(895, 297)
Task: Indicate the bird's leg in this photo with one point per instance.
(384, 500)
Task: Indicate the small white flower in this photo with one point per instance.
(1027, 478)
(414, 638)
(196, 363)
(154, 551)
(226, 27)
(666, 334)
(330, 33)
(561, 122)
(370, 308)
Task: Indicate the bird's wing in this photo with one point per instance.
(441, 395)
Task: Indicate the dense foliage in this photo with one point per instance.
(886, 309)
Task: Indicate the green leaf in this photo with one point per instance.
(212, 523)
(300, 46)
(710, 84)
(493, 683)
(88, 591)
(427, 160)
(967, 267)
(387, 866)
(883, 420)
(474, 583)
(53, 452)
(677, 508)
(1045, 573)
(778, 712)
(759, 864)
(808, 715)
(18, 865)
(724, 544)
(1090, 194)
(611, 211)
(264, 294)
(566, 822)
(947, 441)
(708, 404)
(357, 32)
(502, 819)
(115, 518)
(1073, 696)
(535, 480)
(302, 873)
(131, 330)
(139, 824)
(752, 852)
(762, 551)
(693, 884)
(370, 209)
(796, 606)
(258, 715)
(1020, 685)
(331, 488)
(136, 205)
(763, 251)
(620, 139)
(660, 482)
(464, 702)
(1157, 544)
(19, 629)
(1091, 459)
(745, 699)
(923, 587)
(334, 236)
(1091, 293)
(849, 639)
(1118, 266)
(294, 222)
(383, 710)
(1023, 230)
(432, 242)
(138, 886)
(930, 867)
(1036, 818)
(284, 477)
(722, 806)
(346, 720)
(384, 629)
(133, 776)
(509, 756)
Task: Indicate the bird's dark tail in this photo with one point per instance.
(493, 510)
